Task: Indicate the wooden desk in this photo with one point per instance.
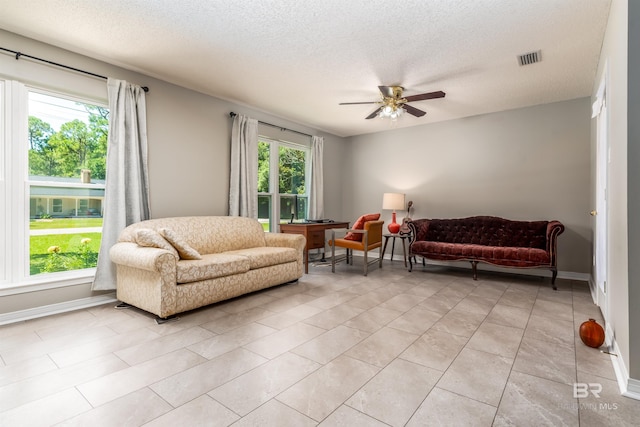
(313, 232)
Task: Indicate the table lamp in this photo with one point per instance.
(393, 201)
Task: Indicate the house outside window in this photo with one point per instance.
(52, 179)
(283, 182)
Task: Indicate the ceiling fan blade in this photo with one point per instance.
(354, 103)
(374, 114)
(413, 110)
(386, 91)
(423, 96)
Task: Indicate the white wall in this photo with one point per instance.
(188, 133)
(526, 164)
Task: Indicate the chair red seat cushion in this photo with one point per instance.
(359, 225)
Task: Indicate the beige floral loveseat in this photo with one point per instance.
(170, 265)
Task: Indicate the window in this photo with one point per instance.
(53, 174)
(283, 170)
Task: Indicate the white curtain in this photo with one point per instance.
(316, 190)
(243, 182)
(126, 198)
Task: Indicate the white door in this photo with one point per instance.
(601, 252)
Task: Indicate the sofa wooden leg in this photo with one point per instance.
(410, 264)
(474, 268)
(554, 274)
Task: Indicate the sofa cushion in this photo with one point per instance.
(184, 250)
(152, 239)
(359, 225)
(507, 256)
(210, 267)
(267, 256)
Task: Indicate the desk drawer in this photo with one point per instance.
(315, 239)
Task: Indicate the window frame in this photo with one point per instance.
(274, 176)
(15, 188)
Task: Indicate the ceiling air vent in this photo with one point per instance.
(530, 58)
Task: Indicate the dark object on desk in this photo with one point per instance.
(319, 221)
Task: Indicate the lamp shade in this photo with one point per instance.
(393, 201)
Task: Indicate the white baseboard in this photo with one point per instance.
(63, 307)
(629, 387)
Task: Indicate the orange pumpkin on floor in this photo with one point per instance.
(591, 333)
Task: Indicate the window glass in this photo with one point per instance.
(67, 146)
(287, 165)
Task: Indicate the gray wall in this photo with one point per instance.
(525, 164)
(188, 134)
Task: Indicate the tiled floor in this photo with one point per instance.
(431, 347)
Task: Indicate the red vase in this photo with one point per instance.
(591, 333)
(394, 227)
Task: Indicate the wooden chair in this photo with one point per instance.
(371, 238)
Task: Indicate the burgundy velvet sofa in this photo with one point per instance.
(493, 240)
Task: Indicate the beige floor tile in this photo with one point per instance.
(518, 298)
(592, 361)
(610, 408)
(425, 289)
(552, 309)
(443, 408)
(166, 344)
(93, 349)
(346, 416)
(394, 394)
(477, 375)
(46, 411)
(331, 344)
(556, 362)
(529, 400)
(550, 329)
(334, 316)
(134, 409)
(508, 315)
(246, 302)
(22, 392)
(332, 300)
(371, 299)
(125, 381)
(440, 303)
(373, 319)
(235, 320)
(416, 321)
(476, 304)
(496, 339)
(492, 291)
(275, 414)
(49, 333)
(250, 390)
(435, 349)
(204, 377)
(287, 302)
(282, 341)
(459, 322)
(202, 411)
(220, 344)
(402, 302)
(290, 317)
(319, 394)
(382, 346)
(40, 348)
(27, 369)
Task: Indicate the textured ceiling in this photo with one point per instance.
(298, 59)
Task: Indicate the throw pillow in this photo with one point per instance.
(152, 239)
(359, 225)
(184, 250)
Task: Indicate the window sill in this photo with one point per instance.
(49, 281)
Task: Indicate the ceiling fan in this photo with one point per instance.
(393, 104)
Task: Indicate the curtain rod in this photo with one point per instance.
(232, 115)
(35, 58)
